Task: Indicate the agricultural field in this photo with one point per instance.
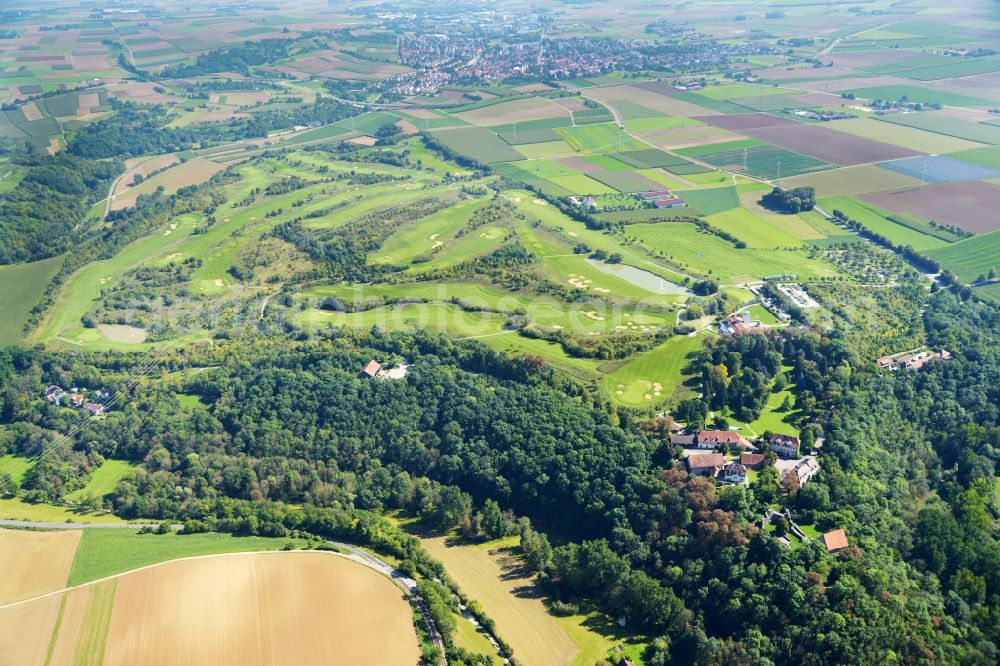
(854, 180)
(757, 159)
(23, 285)
(116, 620)
(706, 254)
(971, 258)
(969, 204)
(939, 169)
(20, 553)
(878, 220)
(477, 143)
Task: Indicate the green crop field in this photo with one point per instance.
(987, 156)
(972, 257)
(623, 181)
(926, 95)
(962, 129)
(707, 254)
(878, 221)
(599, 138)
(104, 552)
(23, 286)
(764, 161)
(711, 200)
(477, 143)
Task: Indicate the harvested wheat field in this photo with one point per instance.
(265, 608)
(20, 553)
(25, 630)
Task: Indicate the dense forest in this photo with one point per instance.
(39, 217)
(908, 459)
(141, 129)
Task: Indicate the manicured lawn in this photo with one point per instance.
(106, 552)
(447, 318)
(634, 384)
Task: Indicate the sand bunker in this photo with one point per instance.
(122, 333)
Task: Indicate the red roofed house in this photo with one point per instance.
(371, 369)
(752, 460)
(715, 439)
(785, 445)
(835, 540)
(707, 464)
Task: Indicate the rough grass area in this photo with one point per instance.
(103, 480)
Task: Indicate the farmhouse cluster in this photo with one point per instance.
(77, 398)
(732, 455)
(912, 361)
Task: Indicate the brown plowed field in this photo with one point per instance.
(742, 121)
(973, 206)
(830, 145)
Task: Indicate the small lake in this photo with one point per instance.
(638, 277)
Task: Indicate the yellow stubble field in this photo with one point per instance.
(34, 563)
(264, 608)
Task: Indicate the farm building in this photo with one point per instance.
(752, 460)
(371, 369)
